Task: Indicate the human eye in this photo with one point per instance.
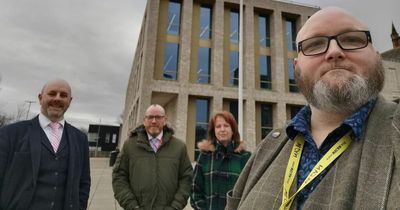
(64, 95)
(314, 45)
(353, 39)
(52, 93)
(149, 117)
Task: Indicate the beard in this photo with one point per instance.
(346, 96)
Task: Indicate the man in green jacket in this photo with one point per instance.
(153, 170)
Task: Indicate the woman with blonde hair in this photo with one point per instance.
(222, 158)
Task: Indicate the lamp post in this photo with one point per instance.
(98, 138)
(240, 86)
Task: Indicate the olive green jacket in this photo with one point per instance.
(366, 176)
(145, 180)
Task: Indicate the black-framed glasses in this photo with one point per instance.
(351, 40)
(151, 117)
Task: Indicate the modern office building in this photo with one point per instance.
(187, 60)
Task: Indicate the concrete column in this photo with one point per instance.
(181, 116)
(185, 42)
(278, 53)
(250, 125)
(218, 39)
(280, 115)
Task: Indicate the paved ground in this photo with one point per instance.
(101, 193)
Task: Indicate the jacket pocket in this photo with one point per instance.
(232, 202)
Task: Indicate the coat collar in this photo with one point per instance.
(142, 139)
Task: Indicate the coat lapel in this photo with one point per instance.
(72, 163)
(73, 151)
(35, 136)
(377, 160)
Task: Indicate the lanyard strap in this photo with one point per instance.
(334, 152)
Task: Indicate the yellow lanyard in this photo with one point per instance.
(294, 161)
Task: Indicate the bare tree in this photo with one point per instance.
(4, 119)
(10, 118)
(21, 111)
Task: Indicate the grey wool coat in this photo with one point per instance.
(366, 176)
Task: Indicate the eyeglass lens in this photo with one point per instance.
(156, 117)
(347, 41)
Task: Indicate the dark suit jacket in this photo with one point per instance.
(20, 153)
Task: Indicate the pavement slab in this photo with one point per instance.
(101, 196)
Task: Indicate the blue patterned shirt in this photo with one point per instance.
(311, 154)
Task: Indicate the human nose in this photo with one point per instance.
(57, 96)
(334, 51)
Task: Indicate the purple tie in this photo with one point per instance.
(155, 144)
(55, 135)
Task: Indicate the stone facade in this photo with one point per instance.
(147, 85)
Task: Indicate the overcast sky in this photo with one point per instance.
(91, 44)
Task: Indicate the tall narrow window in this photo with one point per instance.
(234, 68)
(291, 34)
(202, 113)
(266, 119)
(263, 54)
(263, 28)
(292, 82)
(174, 17)
(171, 61)
(205, 22)
(234, 23)
(294, 109)
(234, 109)
(265, 72)
(203, 69)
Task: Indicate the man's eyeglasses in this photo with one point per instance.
(156, 117)
(351, 40)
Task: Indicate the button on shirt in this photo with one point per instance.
(311, 153)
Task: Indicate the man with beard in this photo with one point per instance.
(153, 170)
(342, 150)
(44, 162)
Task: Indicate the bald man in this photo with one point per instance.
(341, 151)
(44, 162)
(153, 170)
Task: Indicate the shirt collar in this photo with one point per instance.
(44, 121)
(159, 137)
(301, 122)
